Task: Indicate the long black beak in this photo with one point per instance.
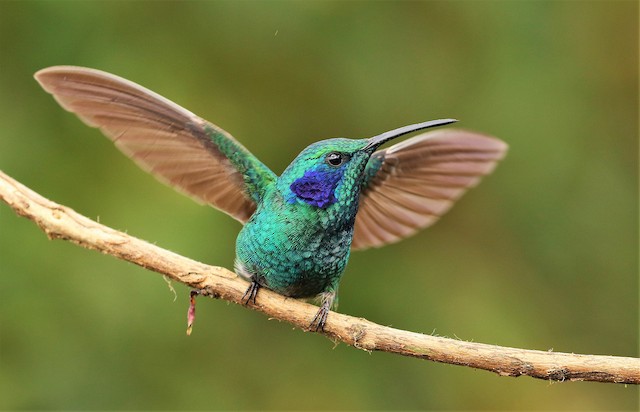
(376, 141)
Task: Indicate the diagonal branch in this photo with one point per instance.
(60, 222)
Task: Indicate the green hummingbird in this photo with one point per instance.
(299, 228)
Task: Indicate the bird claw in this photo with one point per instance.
(318, 322)
(251, 293)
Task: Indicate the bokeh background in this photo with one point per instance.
(542, 255)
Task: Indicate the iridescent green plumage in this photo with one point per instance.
(299, 228)
(299, 247)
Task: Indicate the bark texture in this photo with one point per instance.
(60, 222)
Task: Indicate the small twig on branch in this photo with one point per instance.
(60, 222)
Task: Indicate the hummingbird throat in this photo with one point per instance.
(316, 188)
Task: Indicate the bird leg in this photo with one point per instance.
(251, 293)
(318, 322)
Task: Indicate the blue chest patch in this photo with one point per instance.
(316, 188)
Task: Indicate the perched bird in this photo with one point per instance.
(299, 228)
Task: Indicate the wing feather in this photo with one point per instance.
(176, 146)
(418, 181)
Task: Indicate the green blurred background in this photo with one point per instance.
(543, 254)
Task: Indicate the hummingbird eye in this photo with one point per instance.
(336, 159)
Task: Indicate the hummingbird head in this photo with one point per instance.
(331, 171)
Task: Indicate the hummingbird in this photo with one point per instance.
(299, 228)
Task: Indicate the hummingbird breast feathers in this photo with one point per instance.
(296, 249)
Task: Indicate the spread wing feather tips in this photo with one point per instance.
(178, 147)
(414, 182)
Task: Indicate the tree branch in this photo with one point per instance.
(60, 222)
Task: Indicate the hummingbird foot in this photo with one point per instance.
(251, 293)
(318, 322)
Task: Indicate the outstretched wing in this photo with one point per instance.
(410, 185)
(178, 147)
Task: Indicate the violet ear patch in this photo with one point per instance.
(316, 188)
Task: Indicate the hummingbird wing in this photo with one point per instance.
(176, 146)
(408, 186)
